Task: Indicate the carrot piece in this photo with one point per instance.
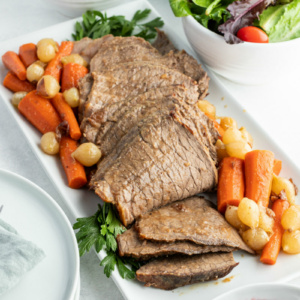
(271, 250)
(39, 112)
(28, 54)
(14, 84)
(12, 61)
(258, 175)
(277, 166)
(231, 184)
(71, 74)
(74, 170)
(54, 67)
(66, 113)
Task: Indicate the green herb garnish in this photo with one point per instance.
(100, 231)
(96, 24)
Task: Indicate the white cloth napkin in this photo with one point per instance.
(17, 256)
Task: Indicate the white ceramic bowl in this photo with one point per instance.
(246, 63)
(75, 8)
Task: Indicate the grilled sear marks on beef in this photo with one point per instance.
(172, 272)
(129, 244)
(157, 162)
(162, 43)
(192, 220)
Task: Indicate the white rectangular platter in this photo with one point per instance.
(84, 202)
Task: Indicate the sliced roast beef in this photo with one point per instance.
(87, 48)
(192, 220)
(129, 80)
(80, 45)
(172, 272)
(85, 86)
(132, 49)
(122, 50)
(129, 115)
(162, 43)
(157, 162)
(129, 244)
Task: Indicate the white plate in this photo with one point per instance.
(263, 291)
(38, 218)
(84, 202)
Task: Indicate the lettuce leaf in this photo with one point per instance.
(270, 17)
(243, 13)
(180, 8)
(288, 26)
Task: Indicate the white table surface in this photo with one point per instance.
(276, 106)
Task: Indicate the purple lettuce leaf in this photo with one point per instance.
(243, 13)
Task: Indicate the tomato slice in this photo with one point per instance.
(253, 35)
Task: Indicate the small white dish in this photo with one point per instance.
(75, 8)
(38, 218)
(263, 291)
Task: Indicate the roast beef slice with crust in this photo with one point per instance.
(114, 121)
(176, 271)
(157, 162)
(191, 219)
(162, 43)
(121, 50)
(129, 244)
(111, 132)
(132, 49)
(84, 86)
(129, 80)
(80, 45)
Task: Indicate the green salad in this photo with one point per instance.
(245, 20)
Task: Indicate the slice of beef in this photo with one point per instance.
(79, 46)
(188, 65)
(132, 49)
(129, 80)
(129, 244)
(85, 86)
(157, 162)
(162, 43)
(172, 272)
(129, 115)
(192, 220)
(122, 50)
(87, 48)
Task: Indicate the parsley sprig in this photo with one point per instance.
(100, 230)
(95, 24)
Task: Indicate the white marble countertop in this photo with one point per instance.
(275, 106)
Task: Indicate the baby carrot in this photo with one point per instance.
(258, 176)
(277, 166)
(66, 113)
(231, 183)
(39, 112)
(54, 67)
(71, 74)
(28, 54)
(12, 61)
(74, 170)
(14, 84)
(271, 250)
